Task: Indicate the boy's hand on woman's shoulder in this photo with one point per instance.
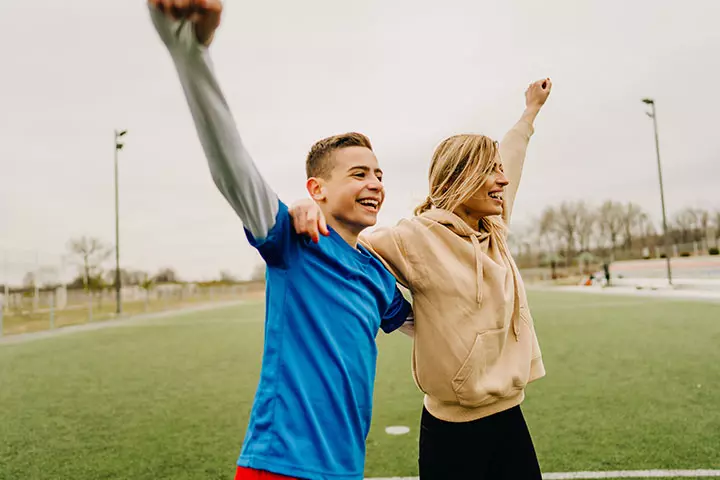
(308, 219)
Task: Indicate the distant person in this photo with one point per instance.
(475, 347)
(325, 301)
(606, 270)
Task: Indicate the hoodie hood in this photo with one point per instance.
(454, 223)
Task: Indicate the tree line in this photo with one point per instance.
(90, 255)
(573, 232)
(567, 232)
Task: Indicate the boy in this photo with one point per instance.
(325, 299)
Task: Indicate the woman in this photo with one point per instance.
(474, 348)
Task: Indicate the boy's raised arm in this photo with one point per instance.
(187, 28)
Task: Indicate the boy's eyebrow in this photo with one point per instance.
(364, 168)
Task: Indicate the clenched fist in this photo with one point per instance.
(203, 14)
(537, 93)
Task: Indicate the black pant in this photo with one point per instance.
(497, 447)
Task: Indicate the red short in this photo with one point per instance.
(252, 474)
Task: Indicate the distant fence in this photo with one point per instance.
(34, 309)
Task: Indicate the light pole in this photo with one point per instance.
(118, 146)
(653, 115)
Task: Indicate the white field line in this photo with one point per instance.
(635, 474)
(617, 474)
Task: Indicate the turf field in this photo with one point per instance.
(632, 384)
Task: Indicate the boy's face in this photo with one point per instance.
(353, 193)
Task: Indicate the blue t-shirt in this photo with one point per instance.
(324, 305)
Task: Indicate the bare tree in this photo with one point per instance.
(645, 228)
(704, 226)
(137, 277)
(166, 275)
(147, 284)
(610, 221)
(567, 221)
(91, 253)
(227, 277)
(686, 224)
(704, 220)
(521, 239)
(587, 220)
(127, 277)
(550, 235)
(546, 228)
(630, 219)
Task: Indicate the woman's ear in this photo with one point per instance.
(316, 188)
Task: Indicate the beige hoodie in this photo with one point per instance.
(474, 347)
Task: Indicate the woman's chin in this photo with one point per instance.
(492, 212)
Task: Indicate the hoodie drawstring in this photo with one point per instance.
(478, 269)
(516, 306)
(515, 319)
(516, 294)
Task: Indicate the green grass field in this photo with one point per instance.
(632, 383)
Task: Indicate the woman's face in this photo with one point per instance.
(488, 199)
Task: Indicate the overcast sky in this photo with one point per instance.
(406, 73)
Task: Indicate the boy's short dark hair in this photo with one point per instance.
(319, 159)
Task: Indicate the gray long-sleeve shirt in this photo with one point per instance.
(231, 166)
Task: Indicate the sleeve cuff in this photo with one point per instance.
(392, 324)
(177, 35)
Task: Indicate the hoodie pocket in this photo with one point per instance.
(477, 383)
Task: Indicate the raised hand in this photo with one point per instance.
(203, 14)
(537, 93)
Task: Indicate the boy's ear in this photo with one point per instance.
(316, 188)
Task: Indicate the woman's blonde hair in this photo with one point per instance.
(460, 165)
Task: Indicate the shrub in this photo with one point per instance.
(714, 251)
